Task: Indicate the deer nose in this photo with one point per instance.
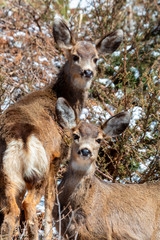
(84, 152)
(88, 73)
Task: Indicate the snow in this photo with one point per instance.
(15, 79)
(57, 63)
(111, 108)
(149, 135)
(41, 206)
(106, 81)
(146, 25)
(135, 71)
(18, 34)
(128, 47)
(137, 113)
(10, 13)
(11, 59)
(119, 94)
(153, 125)
(36, 64)
(155, 79)
(6, 103)
(98, 113)
(155, 53)
(139, 9)
(33, 29)
(84, 113)
(49, 74)
(45, 31)
(116, 53)
(116, 68)
(42, 59)
(143, 167)
(18, 44)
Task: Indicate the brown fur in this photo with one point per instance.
(32, 142)
(96, 210)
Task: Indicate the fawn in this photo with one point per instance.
(32, 142)
(92, 209)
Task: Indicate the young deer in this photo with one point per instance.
(31, 141)
(95, 210)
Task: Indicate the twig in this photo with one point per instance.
(59, 212)
(104, 175)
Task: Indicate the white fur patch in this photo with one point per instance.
(76, 167)
(36, 160)
(88, 85)
(19, 162)
(12, 165)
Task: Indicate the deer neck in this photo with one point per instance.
(75, 185)
(64, 88)
(76, 177)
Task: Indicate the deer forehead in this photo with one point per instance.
(88, 130)
(85, 49)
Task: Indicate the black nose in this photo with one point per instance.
(84, 152)
(88, 73)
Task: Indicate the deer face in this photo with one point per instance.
(83, 58)
(85, 146)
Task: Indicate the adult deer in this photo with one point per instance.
(31, 141)
(95, 210)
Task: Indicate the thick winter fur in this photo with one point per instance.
(95, 210)
(31, 141)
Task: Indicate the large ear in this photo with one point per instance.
(62, 34)
(116, 124)
(65, 114)
(110, 42)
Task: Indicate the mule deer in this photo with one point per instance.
(92, 209)
(31, 141)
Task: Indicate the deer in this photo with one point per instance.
(32, 143)
(88, 208)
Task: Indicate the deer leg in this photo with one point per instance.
(49, 202)
(11, 214)
(29, 205)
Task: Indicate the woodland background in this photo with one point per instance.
(129, 79)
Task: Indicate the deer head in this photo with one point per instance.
(83, 55)
(86, 136)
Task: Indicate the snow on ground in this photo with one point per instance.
(96, 113)
(41, 206)
(136, 114)
(106, 81)
(135, 71)
(119, 94)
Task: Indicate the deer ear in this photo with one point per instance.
(62, 34)
(117, 124)
(109, 43)
(65, 114)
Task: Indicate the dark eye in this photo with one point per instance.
(95, 60)
(75, 58)
(75, 137)
(98, 140)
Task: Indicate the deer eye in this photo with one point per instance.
(95, 60)
(75, 137)
(98, 140)
(75, 58)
